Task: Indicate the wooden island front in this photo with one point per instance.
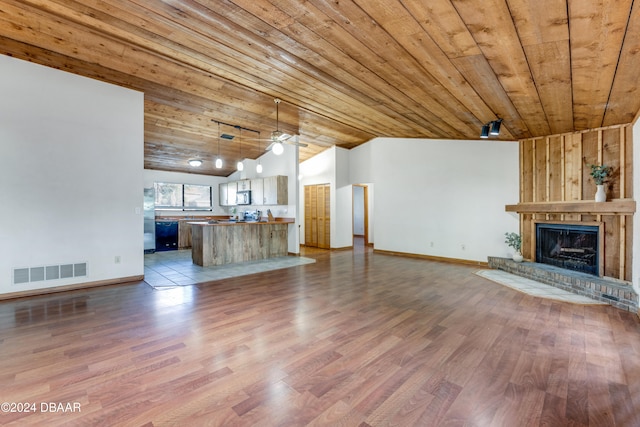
(232, 242)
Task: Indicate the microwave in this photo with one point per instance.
(243, 197)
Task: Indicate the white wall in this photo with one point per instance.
(71, 157)
(342, 204)
(427, 197)
(444, 198)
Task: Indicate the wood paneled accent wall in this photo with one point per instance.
(555, 185)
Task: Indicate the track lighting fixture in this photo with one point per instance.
(491, 128)
(485, 132)
(495, 127)
(277, 138)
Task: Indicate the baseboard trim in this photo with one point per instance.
(433, 258)
(74, 287)
(343, 248)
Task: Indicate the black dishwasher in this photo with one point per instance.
(166, 235)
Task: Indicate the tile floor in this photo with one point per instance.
(534, 288)
(168, 269)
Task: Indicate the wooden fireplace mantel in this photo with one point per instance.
(613, 207)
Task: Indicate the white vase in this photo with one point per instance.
(601, 195)
(517, 257)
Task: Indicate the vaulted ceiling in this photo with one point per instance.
(346, 71)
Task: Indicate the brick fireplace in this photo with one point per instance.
(587, 245)
(614, 292)
(574, 246)
(556, 187)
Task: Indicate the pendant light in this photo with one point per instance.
(218, 159)
(240, 165)
(259, 166)
(277, 148)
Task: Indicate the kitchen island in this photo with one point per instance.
(227, 242)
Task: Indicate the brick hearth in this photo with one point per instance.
(615, 292)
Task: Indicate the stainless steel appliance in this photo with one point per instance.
(243, 197)
(166, 235)
(148, 207)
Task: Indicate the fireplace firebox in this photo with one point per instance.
(574, 247)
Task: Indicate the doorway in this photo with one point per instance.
(360, 211)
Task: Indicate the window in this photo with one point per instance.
(197, 197)
(183, 197)
(168, 196)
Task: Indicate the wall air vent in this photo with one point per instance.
(227, 136)
(20, 275)
(66, 271)
(49, 272)
(36, 274)
(53, 272)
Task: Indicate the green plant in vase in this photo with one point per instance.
(599, 173)
(514, 240)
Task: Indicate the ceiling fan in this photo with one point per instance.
(277, 137)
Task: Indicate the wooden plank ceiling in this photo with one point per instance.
(346, 71)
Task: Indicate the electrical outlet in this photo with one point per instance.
(463, 246)
(117, 259)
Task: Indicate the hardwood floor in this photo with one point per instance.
(355, 339)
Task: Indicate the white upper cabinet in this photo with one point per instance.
(273, 190)
(227, 196)
(257, 192)
(276, 190)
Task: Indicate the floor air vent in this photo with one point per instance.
(50, 272)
